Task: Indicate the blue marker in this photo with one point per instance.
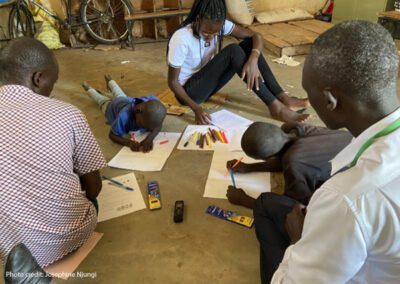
(233, 178)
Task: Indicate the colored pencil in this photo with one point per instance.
(224, 136)
(201, 142)
(234, 165)
(233, 179)
(212, 135)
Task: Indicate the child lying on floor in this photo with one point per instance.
(126, 114)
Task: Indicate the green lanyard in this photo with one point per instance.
(386, 131)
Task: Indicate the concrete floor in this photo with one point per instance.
(147, 247)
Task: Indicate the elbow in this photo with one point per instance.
(94, 192)
(172, 83)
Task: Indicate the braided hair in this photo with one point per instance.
(214, 10)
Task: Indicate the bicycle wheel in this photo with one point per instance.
(20, 22)
(104, 19)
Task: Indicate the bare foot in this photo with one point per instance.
(86, 86)
(281, 112)
(108, 78)
(239, 197)
(294, 103)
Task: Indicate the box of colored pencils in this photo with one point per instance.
(153, 192)
(230, 216)
(206, 139)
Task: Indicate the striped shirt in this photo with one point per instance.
(45, 146)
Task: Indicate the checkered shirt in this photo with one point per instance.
(45, 146)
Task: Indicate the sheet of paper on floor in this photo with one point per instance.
(217, 184)
(65, 267)
(115, 201)
(229, 121)
(151, 161)
(191, 129)
(235, 144)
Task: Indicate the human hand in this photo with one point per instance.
(201, 117)
(134, 146)
(295, 221)
(146, 145)
(252, 74)
(240, 168)
(235, 195)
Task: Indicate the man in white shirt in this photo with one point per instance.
(350, 231)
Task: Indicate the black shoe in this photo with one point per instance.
(22, 268)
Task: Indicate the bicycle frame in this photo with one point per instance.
(66, 23)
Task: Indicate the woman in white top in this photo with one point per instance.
(199, 66)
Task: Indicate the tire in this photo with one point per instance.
(20, 22)
(105, 19)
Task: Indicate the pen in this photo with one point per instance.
(117, 183)
(233, 179)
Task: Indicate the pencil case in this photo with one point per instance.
(230, 216)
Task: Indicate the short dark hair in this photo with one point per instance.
(262, 140)
(23, 56)
(154, 113)
(359, 57)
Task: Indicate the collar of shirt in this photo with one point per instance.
(17, 95)
(347, 154)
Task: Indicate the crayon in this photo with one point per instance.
(201, 142)
(208, 140)
(224, 136)
(212, 135)
(220, 136)
(215, 135)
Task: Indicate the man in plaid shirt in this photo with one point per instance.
(49, 159)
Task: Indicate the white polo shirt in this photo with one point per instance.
(190, 53)
(351, 232)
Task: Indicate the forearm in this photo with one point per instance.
(257, 47)
(270, 165)
(153, 134)
(119, 139)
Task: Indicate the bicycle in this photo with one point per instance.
(102, 19)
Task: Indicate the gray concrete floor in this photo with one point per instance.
(146, 246)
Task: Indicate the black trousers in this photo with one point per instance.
(230, 61)
(270, 210)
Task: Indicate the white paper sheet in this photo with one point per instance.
(229, 121)
(115, 201)
(190, 129)
(235, 144)
(217, 184)
(151, 161)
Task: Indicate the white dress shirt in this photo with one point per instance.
(351, 231)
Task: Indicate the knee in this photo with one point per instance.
(235, 50)
(263, 202)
